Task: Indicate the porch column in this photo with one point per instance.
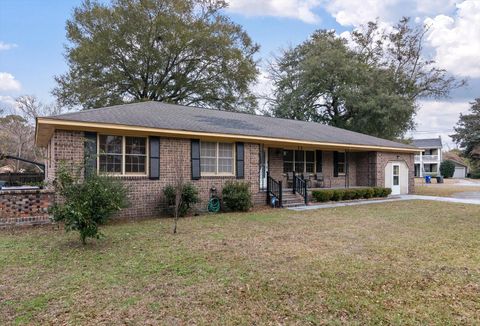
(421, 164)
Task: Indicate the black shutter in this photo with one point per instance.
(154, 159)
(319, 158)
(335, 164)
(195, 157)
(240, 161)
(90, 152)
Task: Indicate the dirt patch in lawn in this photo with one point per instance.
(402, 262)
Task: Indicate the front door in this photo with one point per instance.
(395, 179)
(263, 167)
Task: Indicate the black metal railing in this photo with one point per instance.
(300, 187)
(274, 190)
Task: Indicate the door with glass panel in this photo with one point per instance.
(395, 179)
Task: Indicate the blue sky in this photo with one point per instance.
(32, 37)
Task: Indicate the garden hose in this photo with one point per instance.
(214, 205)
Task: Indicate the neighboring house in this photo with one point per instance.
(146, 143)
(428, 161)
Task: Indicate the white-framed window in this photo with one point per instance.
(299, 161)
(217, 158)
(122, 155)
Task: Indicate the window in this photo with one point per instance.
(216, 158)
(288, 161)
(309, 161)
(122, 155)
(135, 154)
(298, 161)
(341, 162)
(396, 175)
(111, 158)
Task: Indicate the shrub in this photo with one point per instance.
(236, 196)
(359, 193)
(87, 203)
(348, 194)
(322, 195)
(368, 193)
(378, 192)
(189, 197)
(447, 168)
(337, 194)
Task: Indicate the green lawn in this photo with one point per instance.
(395, 263)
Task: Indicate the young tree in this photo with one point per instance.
(177, 51)
(467, 133)
(87, 202)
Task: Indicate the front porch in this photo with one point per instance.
(300, 171)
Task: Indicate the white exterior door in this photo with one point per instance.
(395, 179)
(263, 167)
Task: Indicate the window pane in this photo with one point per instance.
(208, 157)
(110, 163)
(310, 156)
(396, 179)
(299, 156)
(135, 164)
(310, 167)
(299, 166)
(135, 145)
(341, 167)
(110, 144)
(396, 169)
(341, 157)
(225, 165)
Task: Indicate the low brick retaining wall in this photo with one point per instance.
(25, 207)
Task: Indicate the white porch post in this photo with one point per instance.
(421, 164)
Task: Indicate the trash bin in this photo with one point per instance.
(440, 179)
(428, 179)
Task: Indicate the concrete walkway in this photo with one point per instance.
(390, 199)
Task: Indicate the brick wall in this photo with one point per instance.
(24, 207)
(145, 195)
(383, 158)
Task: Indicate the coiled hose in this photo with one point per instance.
(214, 205)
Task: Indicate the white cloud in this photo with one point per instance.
(297, 9)
(456, 40)
(7, 46)
(8, 82)
(8, 104)
(355, 12)
(437, 118)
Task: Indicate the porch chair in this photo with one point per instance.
(320, 182)
(289, 179)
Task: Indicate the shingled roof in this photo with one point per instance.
(177, 117)
(427, 143)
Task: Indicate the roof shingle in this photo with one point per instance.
(178, 117)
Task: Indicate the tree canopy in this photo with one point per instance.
(177, 51)
(370, 83)
(467, 133)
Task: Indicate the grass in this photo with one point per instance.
(395, 263)
(443, 190)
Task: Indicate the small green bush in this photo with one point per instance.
(368, 193)
(447, 168)
(322, 195)
(236, 196)
(348, 194)
(337, 195)
(189, 197)
(87, 203)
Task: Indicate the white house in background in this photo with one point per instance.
(428, 162)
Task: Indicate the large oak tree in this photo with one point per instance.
(177, 51)
(370, 84)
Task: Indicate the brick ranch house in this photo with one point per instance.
(148, 144)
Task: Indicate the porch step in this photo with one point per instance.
(292, 200)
